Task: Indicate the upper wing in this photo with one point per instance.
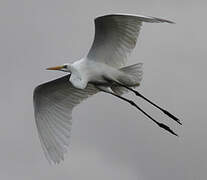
(116, 36)
(53, 104)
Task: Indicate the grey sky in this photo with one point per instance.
(110, 140)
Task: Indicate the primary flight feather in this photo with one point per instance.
(103, 69)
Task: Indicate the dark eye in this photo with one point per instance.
(65, 66)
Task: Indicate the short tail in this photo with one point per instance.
(133, 77)
(135, 71)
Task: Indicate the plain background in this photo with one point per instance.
(110, 140)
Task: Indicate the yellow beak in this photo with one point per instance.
(55, 68)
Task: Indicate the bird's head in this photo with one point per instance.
(64, 68)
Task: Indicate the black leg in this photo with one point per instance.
(163, 110)
(135, 105)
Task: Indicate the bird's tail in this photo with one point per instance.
(135, 71)
(132, 77)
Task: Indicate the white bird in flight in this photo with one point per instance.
(102, 70)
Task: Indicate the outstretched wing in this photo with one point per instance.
(53, 105)
(116, 36)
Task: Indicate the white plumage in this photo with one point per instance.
(54, 102)
(104, 66)
(116, 36)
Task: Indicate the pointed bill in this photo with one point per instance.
(55, 68)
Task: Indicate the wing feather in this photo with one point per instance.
(53, 105)
(116, 36)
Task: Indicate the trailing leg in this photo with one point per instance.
(136, 106)
(143, 97)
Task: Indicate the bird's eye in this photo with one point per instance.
(65, 66)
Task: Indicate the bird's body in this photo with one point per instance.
(103, 69)
(85, 71)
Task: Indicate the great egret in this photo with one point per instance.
(103, 69)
